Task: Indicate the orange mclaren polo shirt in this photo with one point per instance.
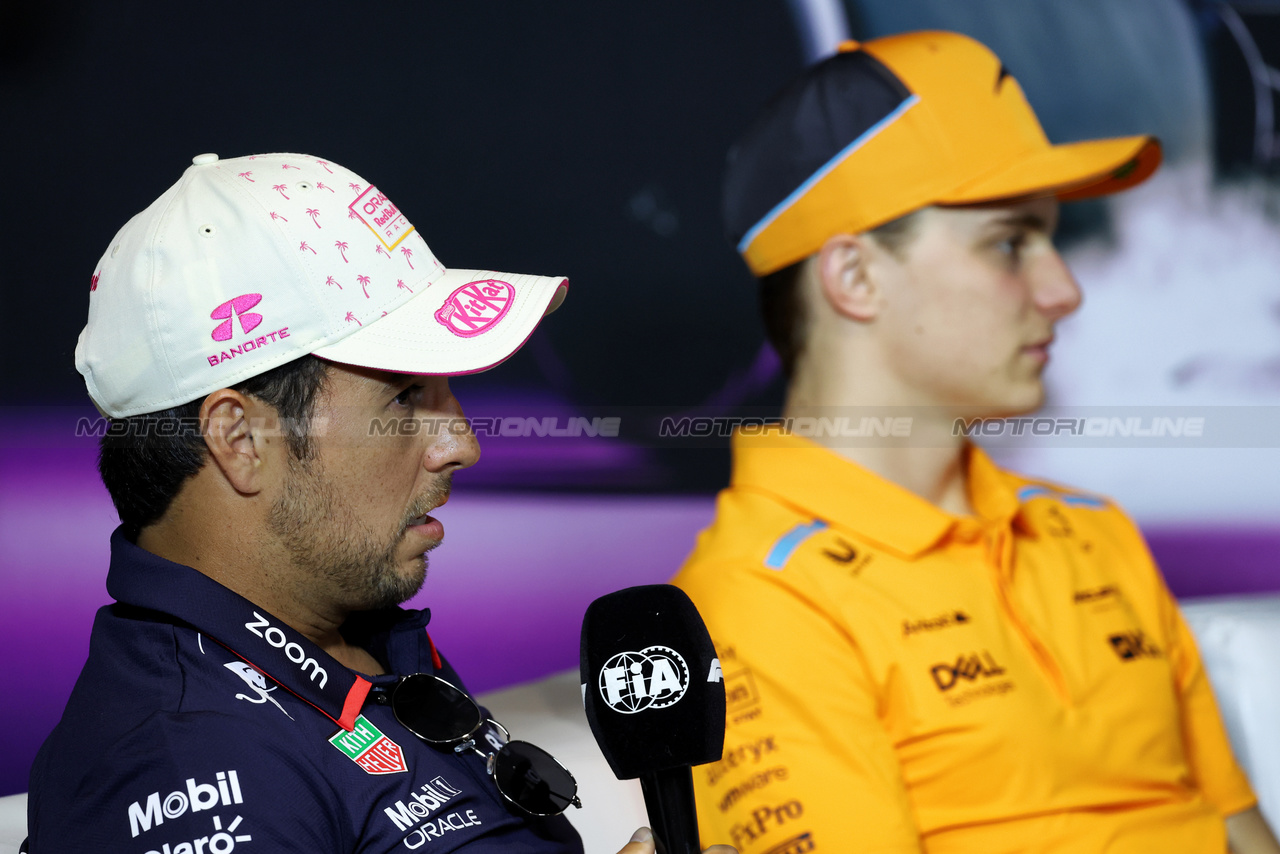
(900, 679)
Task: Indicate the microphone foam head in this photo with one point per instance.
(651, 682)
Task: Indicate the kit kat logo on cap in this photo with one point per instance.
(476, 307)
(239, 306)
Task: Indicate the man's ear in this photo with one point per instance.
(842, 272)
(230, 420)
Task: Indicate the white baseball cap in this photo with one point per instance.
(248, 263)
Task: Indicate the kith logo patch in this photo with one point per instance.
(366, 746)
(476, 307)
(239, 306)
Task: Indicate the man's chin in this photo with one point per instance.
(396, 588)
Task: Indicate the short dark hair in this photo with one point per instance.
(782, 304)
(145, 459)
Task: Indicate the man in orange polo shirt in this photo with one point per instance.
(923, 652)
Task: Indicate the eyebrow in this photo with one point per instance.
(1033, 222)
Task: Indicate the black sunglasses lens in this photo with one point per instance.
(532, 779)
(434, 710)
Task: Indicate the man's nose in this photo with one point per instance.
(1054, 289)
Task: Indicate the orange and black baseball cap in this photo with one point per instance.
(888, 126)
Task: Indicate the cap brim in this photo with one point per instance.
(1071, 171)
(464, 322)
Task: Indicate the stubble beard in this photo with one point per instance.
(357, 565)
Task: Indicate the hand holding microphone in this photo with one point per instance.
(642, 842)
(654, 698)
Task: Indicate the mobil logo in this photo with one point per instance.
(237, 307)
(653, 678)
(153, 810)
(476, 307)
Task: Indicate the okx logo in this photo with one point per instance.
(969, 667)
(1132, 645)
(239, 307)
(653, 678)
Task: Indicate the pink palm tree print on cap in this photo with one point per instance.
(305, 248)
(325, 164)
(332, 281)
(400, 284)
(350, 317)
(408, 256)
(364, 285)
(287, 166)
(275, 215)
(245, 175)
(342, 249)
(321, 185)
(378, 248)
(352, 215)
(279, 188)
(313, 213)
(354, 186)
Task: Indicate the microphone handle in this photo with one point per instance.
(668, 798)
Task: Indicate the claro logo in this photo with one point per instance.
(292, 650)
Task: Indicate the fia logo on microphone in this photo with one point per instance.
(653, 678)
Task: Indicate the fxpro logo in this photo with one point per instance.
(653, 678)
(149, 813)
(292, 650)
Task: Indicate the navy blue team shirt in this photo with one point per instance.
(203, 725)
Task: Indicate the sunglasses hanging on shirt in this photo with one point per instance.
(527, 777)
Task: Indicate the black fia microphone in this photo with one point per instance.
(654, 697)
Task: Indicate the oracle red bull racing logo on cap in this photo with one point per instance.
(384, 219)
(476, 307)
(366, 746)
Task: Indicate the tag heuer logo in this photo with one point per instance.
(370, 749)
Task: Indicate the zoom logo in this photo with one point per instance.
(653, 678)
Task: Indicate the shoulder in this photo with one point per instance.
(179, 777)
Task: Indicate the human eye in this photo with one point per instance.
(405, 398)
(1012, 246)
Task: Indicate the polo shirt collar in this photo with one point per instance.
(139, 578)
(820, 482)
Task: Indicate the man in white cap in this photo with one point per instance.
(272, 340)
(923, 652)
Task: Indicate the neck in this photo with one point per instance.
(931, 465)
(254, 567)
